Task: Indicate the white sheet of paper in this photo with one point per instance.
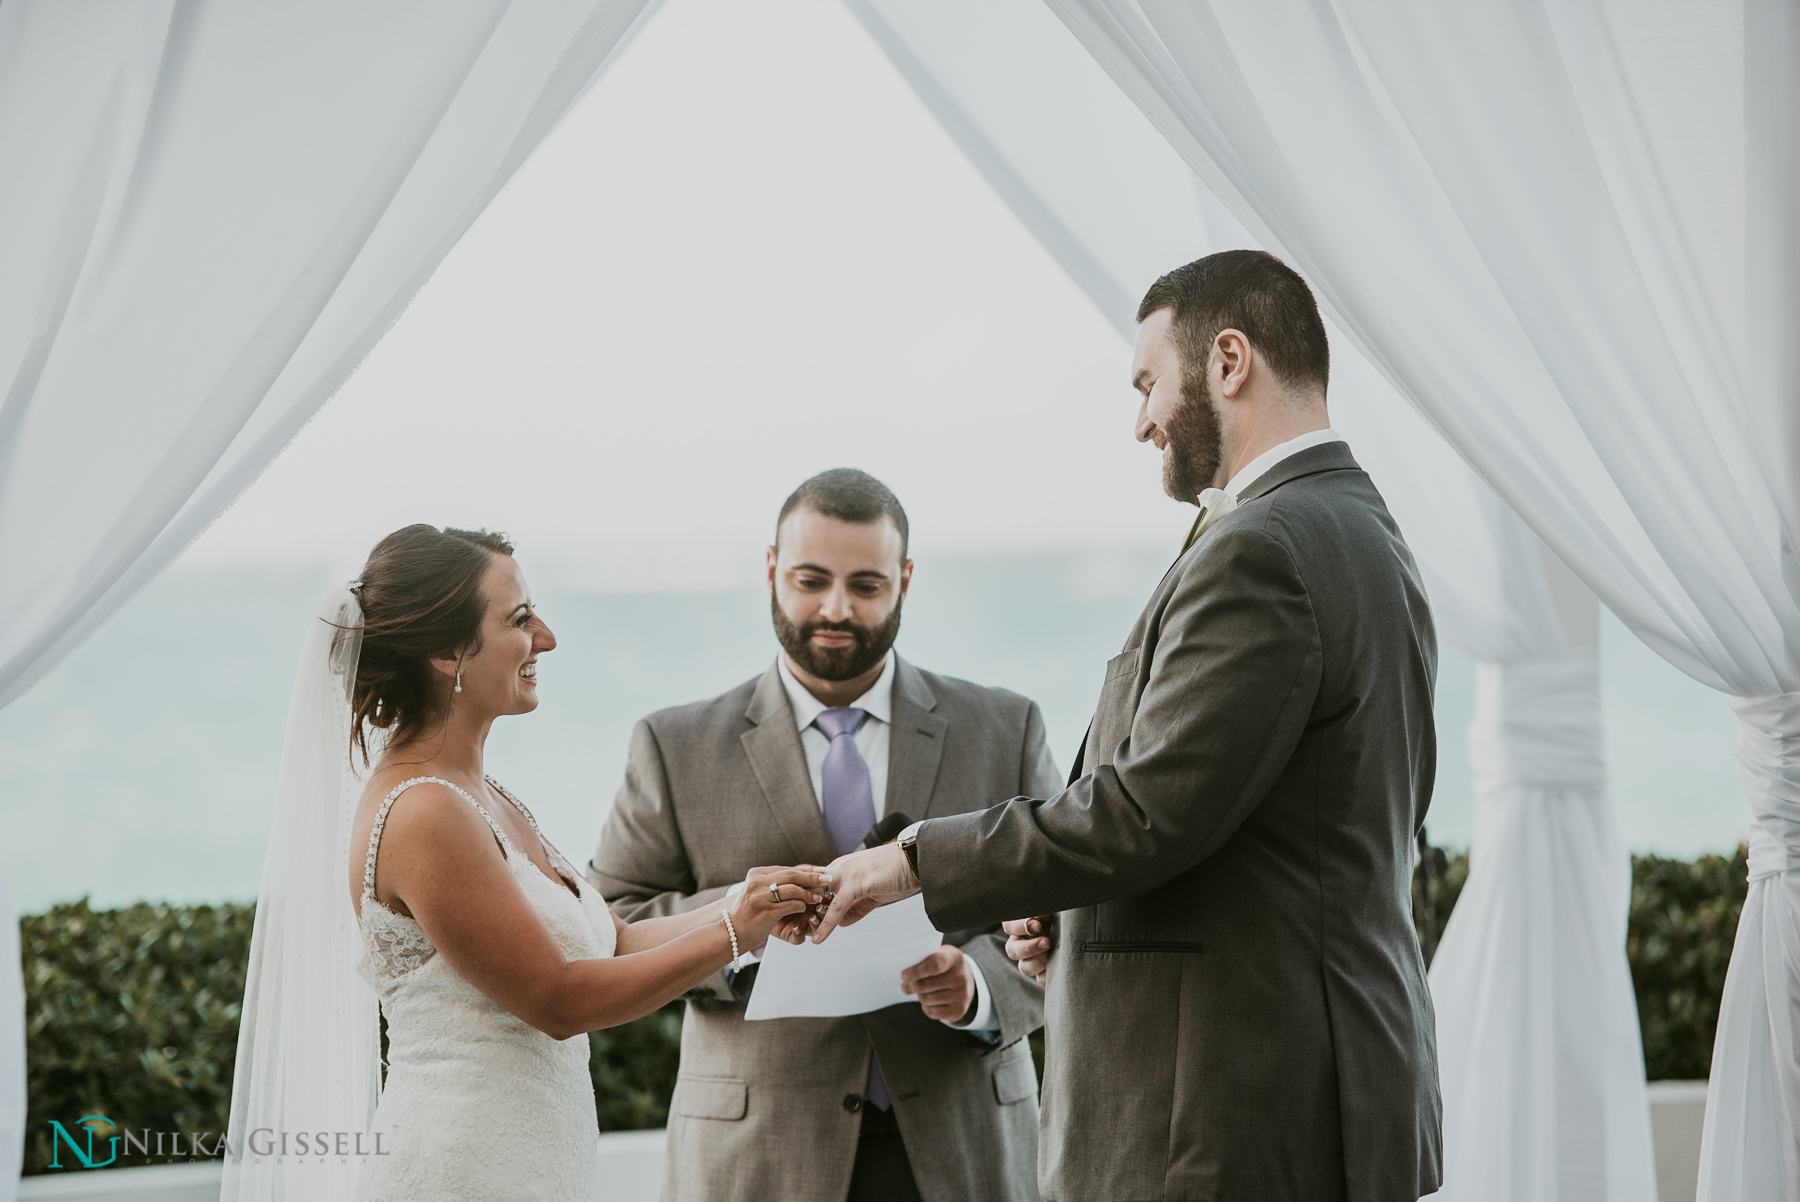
(853, 972)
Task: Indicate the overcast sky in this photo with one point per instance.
(748, 254)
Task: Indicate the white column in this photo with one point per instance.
(1539, 1054)
(1750, 1151)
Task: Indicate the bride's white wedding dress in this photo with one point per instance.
(478, 1104)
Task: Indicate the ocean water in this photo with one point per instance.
(144, 767)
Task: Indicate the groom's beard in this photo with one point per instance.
(1196, 445)
(835, 663)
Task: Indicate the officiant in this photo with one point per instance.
(935, 1100)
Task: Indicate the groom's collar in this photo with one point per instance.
(1326, 457)
(1258, 467)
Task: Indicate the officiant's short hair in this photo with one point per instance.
(848, 495)
(1255, 293)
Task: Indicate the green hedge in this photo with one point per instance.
(1683, 918)
(133, 1013)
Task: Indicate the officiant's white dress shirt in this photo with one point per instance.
(872, 744)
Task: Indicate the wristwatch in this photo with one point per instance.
(909, 843)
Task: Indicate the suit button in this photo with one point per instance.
(852, 1102)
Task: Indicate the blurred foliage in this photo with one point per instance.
(633, 1067)
(133, 1013)
(1684, 917)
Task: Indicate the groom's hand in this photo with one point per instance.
(861, 881)
(1028, 941)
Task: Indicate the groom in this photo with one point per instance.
(1236, 1004)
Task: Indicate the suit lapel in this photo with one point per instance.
(773, 745)
(915, 744)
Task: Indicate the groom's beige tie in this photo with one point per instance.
(1214, 504)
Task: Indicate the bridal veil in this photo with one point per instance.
(308, 1055)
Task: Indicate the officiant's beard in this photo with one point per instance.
(835, 663)
(1196, 445)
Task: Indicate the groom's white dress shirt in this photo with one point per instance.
(871, 740)
(1252, 471)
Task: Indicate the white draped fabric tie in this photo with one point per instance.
(1751, 1148)
(1537, 723)
(1538, 1047)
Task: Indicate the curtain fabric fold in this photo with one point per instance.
(209, 213)
(1564, 231)
(1116, 206)
(1539, 1051)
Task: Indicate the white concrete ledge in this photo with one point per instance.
(153, 1183)
(631, 1163)
(1677, 1114)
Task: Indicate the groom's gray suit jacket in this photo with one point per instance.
(1237, 1005)
(719, 787)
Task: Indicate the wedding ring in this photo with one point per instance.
(775, 892)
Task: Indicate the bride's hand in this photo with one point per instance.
(776, 898)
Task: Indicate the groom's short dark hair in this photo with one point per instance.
(1250, 291)
(850, 496)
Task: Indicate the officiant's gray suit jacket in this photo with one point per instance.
(1237, 1006)
(717, 788)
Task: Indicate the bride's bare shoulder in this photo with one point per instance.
(430, 808)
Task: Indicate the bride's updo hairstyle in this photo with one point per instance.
(421, 599)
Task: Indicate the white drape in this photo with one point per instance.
(209, 213)
(1539, 1051)
(1108, 197)
(1565, 231)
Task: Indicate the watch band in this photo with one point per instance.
(909, 843)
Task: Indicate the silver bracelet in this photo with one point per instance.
(736, 959)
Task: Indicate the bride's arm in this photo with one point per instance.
(647, 933)
(440, 861)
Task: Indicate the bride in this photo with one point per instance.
(491, 954)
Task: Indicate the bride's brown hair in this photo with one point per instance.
(421, 599)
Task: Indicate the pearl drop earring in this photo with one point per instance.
(459, 680)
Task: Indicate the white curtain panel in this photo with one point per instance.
(209, 213)
(1522, 1031)
(1564, 230)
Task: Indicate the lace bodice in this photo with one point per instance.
(478, 1104)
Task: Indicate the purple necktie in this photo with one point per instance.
(849, 801)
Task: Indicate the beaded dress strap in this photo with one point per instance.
(550, 850)
(388, 804)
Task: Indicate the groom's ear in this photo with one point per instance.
(1232, 351)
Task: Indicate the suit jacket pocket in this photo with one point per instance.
(1113, 712)
(1125, 663)
(711, 1097)
(1015, 1080)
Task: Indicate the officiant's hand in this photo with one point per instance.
(943, 983)
(1028, 940)
(861, 881)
